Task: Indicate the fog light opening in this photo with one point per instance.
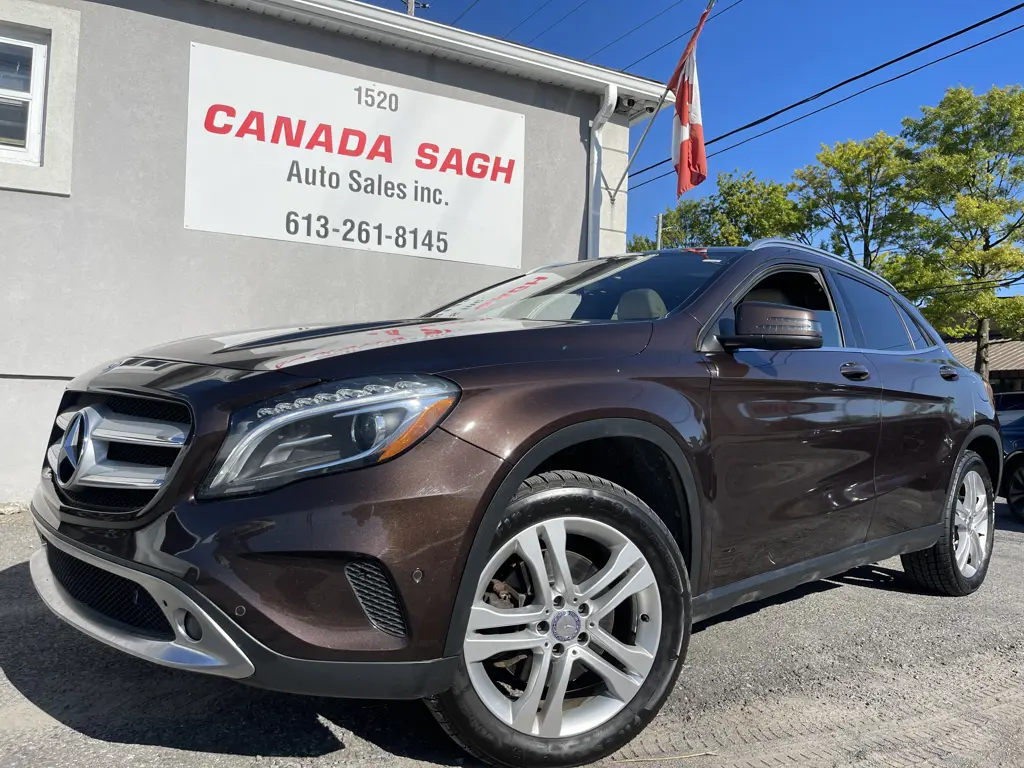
(192, 627)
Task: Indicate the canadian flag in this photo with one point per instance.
(688, 154)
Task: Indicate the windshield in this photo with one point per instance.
(639, 287)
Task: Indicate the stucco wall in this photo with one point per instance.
(111, 269)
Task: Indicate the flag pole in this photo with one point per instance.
(661, 103)
(640, 143)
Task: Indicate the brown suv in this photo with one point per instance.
(516, 506)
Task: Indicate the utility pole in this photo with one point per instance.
(412, 5)
(659, 220)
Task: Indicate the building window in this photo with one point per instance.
(22, 95)
(38, 80)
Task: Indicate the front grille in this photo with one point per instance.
(149, 455)
(113, 597)
(125, 448)
(376, 595)
(106, 499)
(144, 408)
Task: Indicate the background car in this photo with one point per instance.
(1010, 409)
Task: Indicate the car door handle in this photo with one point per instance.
(948, 372)
(855, 371)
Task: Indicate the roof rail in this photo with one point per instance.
(766, 242)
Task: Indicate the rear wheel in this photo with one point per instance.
(578, 630)
(956, 565)
(1014, 485)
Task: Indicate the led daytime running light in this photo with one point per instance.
(341, 395)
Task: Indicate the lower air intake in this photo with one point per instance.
(376, 594)
(113, 597)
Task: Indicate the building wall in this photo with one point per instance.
(111, 269)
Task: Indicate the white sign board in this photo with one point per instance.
(285, 152)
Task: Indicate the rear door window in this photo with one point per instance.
(879, 320)
(916, 333)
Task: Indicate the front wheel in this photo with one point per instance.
(579, 625)
(956, 565)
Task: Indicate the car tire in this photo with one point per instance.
(1013, 485)
(956, 565)
(579, 632)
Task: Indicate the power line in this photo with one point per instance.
(847, 81)
(517, 26)
(827, 106)
(634, 29)
(679, 37)
(552, 26)
(870, 88)
(965, 287)
(469, 8)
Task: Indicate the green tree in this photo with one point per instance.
(967, 174)
(688, 225)
(747, 209)
(639, 243)
(743, 209)
(855, 191)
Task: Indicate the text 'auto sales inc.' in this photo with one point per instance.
(215, 165)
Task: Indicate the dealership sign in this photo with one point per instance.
(285, 152)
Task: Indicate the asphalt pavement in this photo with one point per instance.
(859, 670)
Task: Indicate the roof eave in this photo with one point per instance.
(400, 30)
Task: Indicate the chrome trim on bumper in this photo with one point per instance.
(216, 653)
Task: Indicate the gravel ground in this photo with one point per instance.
(858, 670)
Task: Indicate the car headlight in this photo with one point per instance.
(326, 428)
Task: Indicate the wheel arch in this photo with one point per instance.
(985, 441)
(533, 460)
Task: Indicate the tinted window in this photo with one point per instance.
(880, 323)
(916, 334)
(639, 287)
(1010, 401)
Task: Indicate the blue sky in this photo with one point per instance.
(762, 55)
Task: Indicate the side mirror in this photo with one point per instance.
(762, 325)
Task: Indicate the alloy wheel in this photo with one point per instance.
(565, 628)
(972, 525)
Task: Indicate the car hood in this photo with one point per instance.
(425, 345)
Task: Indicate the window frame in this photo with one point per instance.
(39, 44)
(897, 304)
(61, 29)
(709, 337)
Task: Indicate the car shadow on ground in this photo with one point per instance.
(878, 577)
(748, 609)
(107, 695)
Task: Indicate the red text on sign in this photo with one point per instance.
(477, 165)
(350, 141)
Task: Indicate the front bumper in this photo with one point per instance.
(214, 653)
(224, 649)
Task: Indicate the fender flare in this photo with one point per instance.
(528, 464)
(981, 430)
